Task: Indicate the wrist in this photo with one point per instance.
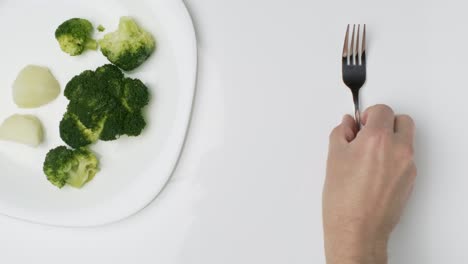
(359, 251)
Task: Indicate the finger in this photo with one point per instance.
(349, 127)
(345, 132)
(379, 117)
(404, 128)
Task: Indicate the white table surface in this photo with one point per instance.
(248, 188)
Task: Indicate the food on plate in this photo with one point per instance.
(104, 104)
(73, 167)
(35, 86)
(76, 134)
(129, 46)
(23, 129)
(75, 36)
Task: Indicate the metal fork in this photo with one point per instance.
(354, 66)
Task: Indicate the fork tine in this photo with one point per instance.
(358, 51)
(363, 56)
(345, 46)
(352, 60)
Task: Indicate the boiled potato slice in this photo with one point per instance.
(35, 86)
(24, 129)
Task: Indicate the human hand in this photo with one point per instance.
(369, 179)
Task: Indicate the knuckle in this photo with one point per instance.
(381, 108)
(380, 133)
(408, 120)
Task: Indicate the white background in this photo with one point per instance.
(248, 188)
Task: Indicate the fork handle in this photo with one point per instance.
(357, 113)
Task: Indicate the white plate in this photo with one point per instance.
(134, 170)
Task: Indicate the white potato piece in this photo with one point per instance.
(35, 86)
(24, 129)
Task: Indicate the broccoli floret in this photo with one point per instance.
(74, 167)
(91, 108)
(76, 134)
(101, 28)
(104, 104)
(80, 85)
(134, 124)
(74, 36)
(109, 76)
(114, 126)
(128, 47)
(134, 95)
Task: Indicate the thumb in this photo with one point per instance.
(344, 132)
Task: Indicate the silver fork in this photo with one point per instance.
(354, 66)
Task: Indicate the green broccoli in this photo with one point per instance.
(134, 95)
(134, 124)
(81, 84)
(101, 28)
(128, 47)
(76, 134)
(114, 126)
(104, 105)
(74, 167)
(74, 36)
